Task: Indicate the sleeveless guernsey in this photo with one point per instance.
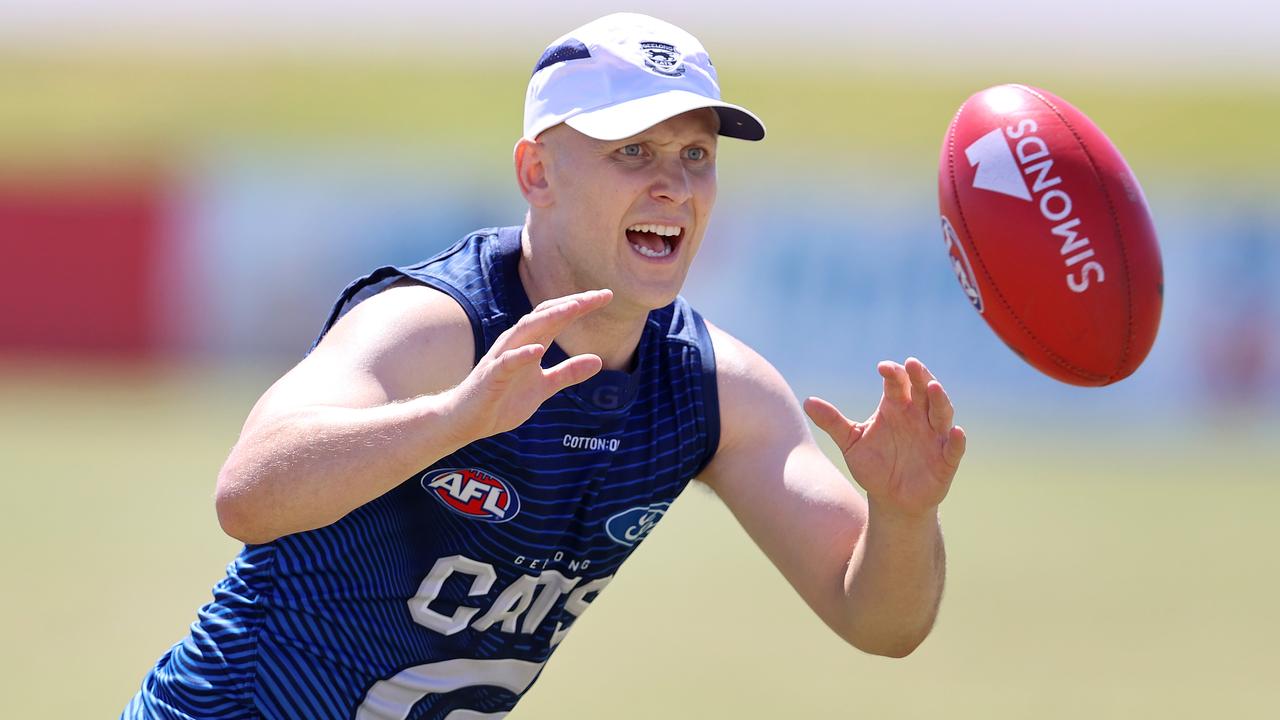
(445, 597)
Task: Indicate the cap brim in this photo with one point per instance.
(635, 116)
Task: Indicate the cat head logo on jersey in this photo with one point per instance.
(473, 493)
(631, 526)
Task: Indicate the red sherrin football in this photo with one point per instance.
(1049, 235)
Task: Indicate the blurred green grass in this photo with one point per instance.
(1095, 571)
(837, 117)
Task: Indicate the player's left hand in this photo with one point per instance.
(906, 454)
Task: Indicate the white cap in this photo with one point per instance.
(622, 74)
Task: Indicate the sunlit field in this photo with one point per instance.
(1097, 568)
(839, 117)
(1095, 572)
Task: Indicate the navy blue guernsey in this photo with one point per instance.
(446, 596)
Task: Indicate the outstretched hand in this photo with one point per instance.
(906, 454)
(509, 383)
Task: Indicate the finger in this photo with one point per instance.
(571, 372)
(897, 386)
(512, 361)
(928, 375)
(920, 378)
(941, 411)
(546, 325)
(953, 449)
(826, 416)
(552, 302)
(536, 321)
(574, 297)
(542, 326)
(537, 317)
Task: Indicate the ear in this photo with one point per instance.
(531, 172)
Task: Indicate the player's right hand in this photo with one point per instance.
(509, 383)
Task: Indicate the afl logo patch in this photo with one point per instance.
(662, 58)
(473, 493)
(631, 526)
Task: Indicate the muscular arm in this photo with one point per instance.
(353, 419)
(389, 391)
(872, 571)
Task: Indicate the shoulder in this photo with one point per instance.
(413, 338)
(741, 371)
(755, 400)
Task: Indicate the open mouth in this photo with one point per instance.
(654, 241)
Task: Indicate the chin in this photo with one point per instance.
(650, 298)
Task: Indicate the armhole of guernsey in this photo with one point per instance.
(710, 391)
(378, 280)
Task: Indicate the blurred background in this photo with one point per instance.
(185, 188)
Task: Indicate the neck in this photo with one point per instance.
(612, 332)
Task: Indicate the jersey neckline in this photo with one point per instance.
(608, 391)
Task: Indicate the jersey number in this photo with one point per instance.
(394, 698)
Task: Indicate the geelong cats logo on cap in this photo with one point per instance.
(662, 58)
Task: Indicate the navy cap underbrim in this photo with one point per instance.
(736, 123)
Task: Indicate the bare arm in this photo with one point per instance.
(872, 571)
(389, 391)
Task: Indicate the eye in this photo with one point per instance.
(632, 150)
(696, 154)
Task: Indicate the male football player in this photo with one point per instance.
(475, 443)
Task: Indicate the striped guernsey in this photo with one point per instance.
(446, 596)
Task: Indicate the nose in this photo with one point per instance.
(672, 183)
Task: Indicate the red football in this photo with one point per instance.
(1049, 235)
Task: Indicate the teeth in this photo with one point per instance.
(663, 230)
(666, 249)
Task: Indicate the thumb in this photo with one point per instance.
(842, 430)
(954, 447)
